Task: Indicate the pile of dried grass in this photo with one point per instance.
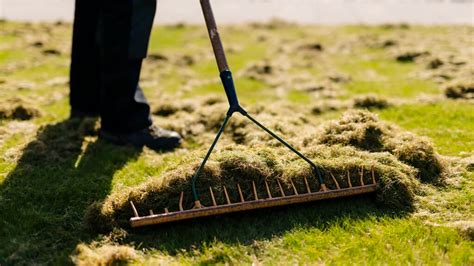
(371, 101)
(321, 107)
(169, 107)
(240, 165)
(104, 255)
(460, 90)
(18, 111)
(360, 129)
(363, 130)
(263, 71)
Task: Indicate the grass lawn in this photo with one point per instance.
(53, 168)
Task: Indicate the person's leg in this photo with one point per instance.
(85, 68)
(125, 29)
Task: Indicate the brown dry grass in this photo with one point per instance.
(364, 130)
(104, 255)
(460, 90)
(18, 109)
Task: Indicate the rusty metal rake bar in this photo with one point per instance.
(256, 203)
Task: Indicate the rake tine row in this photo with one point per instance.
(267, 187)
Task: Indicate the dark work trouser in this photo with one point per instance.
(110, 40)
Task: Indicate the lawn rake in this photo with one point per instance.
(283, 198)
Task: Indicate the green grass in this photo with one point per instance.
(298, 97)
(379, 75)
(449, 124)
(361, 240)
(7, 56)
(400, 88)
(49, 176)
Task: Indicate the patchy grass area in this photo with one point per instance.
(295, 79)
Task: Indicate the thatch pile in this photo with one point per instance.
(371, 101)
(18, 111)
(238, 165)
(104, 255)
(460, 90)
(364, 130)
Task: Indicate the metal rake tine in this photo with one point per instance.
(323, 187)
(181, 197)
(212, 197)
(166, 210)
(268, 189)
(227, 196)
(151, 212)
(135, 212)
(240, 193)
(373, 175)
(335, 181)
(362, 176)
(281, 189)
(254, 190)
(293, 185)
(349, 178)
(307, 185)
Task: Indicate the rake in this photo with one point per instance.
(282, 199)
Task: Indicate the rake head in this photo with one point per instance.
(281, 199)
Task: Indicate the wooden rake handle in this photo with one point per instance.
(214, 36)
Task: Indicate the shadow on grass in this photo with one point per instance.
(245, 228)
(42, 201)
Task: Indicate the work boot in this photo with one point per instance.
(153, 137)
